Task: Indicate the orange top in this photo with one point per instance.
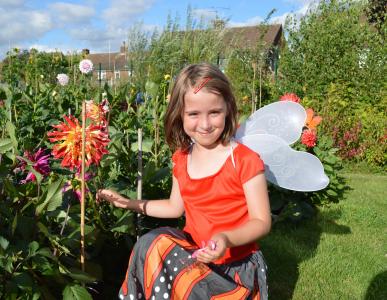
(217, 202)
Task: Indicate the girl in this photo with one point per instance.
(220, 186)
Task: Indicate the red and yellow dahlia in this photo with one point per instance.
(69, 134)
(97, 112)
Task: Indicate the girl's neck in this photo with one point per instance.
(213, 148)
(206, 161)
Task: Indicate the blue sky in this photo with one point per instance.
(72, 25)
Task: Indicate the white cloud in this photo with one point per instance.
(11, 3)
(67, 13)
(121, 12)
(299, 2)
(300, 12)
(44, 48)
(26, 25)
(207, 14)
(250, 22)
(98, 40)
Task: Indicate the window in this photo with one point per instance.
(117, 74)
(101, 74)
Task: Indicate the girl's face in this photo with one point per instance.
(204, 117)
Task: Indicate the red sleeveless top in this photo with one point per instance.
(217, 202)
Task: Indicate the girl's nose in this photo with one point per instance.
(205, 123)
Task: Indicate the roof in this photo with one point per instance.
(248, 37)
(109, 61)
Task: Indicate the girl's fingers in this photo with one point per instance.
(207, 256)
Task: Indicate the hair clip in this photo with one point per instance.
(201, 84)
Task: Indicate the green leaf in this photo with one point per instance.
(80, 275)
(53, 198)
(43, 229)
(151, 88)
(75, 292)
(38, 176)
(332, 193)
(11, 132)
(4, 243)
(146, 146)
(14, 224)
(5, 145)
(32, 248)
(23, 281)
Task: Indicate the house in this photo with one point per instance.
(114, 67)
(110, 67)
(265, 38)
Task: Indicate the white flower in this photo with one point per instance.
(63, 79)
(86, 66)
(105, 105)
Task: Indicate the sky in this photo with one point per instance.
(73, 25)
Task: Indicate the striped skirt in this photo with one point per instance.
(161, 267)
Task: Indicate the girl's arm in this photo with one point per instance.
(258, 205)
(166, 208)
(258, 225)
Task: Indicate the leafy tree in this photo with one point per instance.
(333, 47)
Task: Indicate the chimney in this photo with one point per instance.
(123, 48)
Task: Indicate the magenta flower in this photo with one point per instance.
(63, 79)
(86, 66)
(39, 163)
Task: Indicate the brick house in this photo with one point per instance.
(247, 38)
(111, 67)
(114, 67)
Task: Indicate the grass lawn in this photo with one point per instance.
(341, 254)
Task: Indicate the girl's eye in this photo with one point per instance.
(192, 114)
(215, 113)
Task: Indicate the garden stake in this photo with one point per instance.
(139, 174)
(83, 186)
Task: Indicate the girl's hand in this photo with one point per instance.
(112, 197)
(211, 254)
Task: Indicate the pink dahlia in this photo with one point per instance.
(63, 79)
(39, 163)
(309, 138)
(86, 66)
(290, 97)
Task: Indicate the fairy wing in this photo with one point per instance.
(284, 119)
(269, 131)
(286, 167)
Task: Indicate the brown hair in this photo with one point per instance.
(190, 77)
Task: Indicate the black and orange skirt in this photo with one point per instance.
(161, 267)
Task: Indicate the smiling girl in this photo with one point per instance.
(220, 186)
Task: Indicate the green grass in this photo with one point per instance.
(340, 254)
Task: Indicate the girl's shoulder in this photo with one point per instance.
(178, 154)
(244, 152)
(248, 163)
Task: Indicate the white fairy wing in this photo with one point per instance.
(284, 119)
(286, 167)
